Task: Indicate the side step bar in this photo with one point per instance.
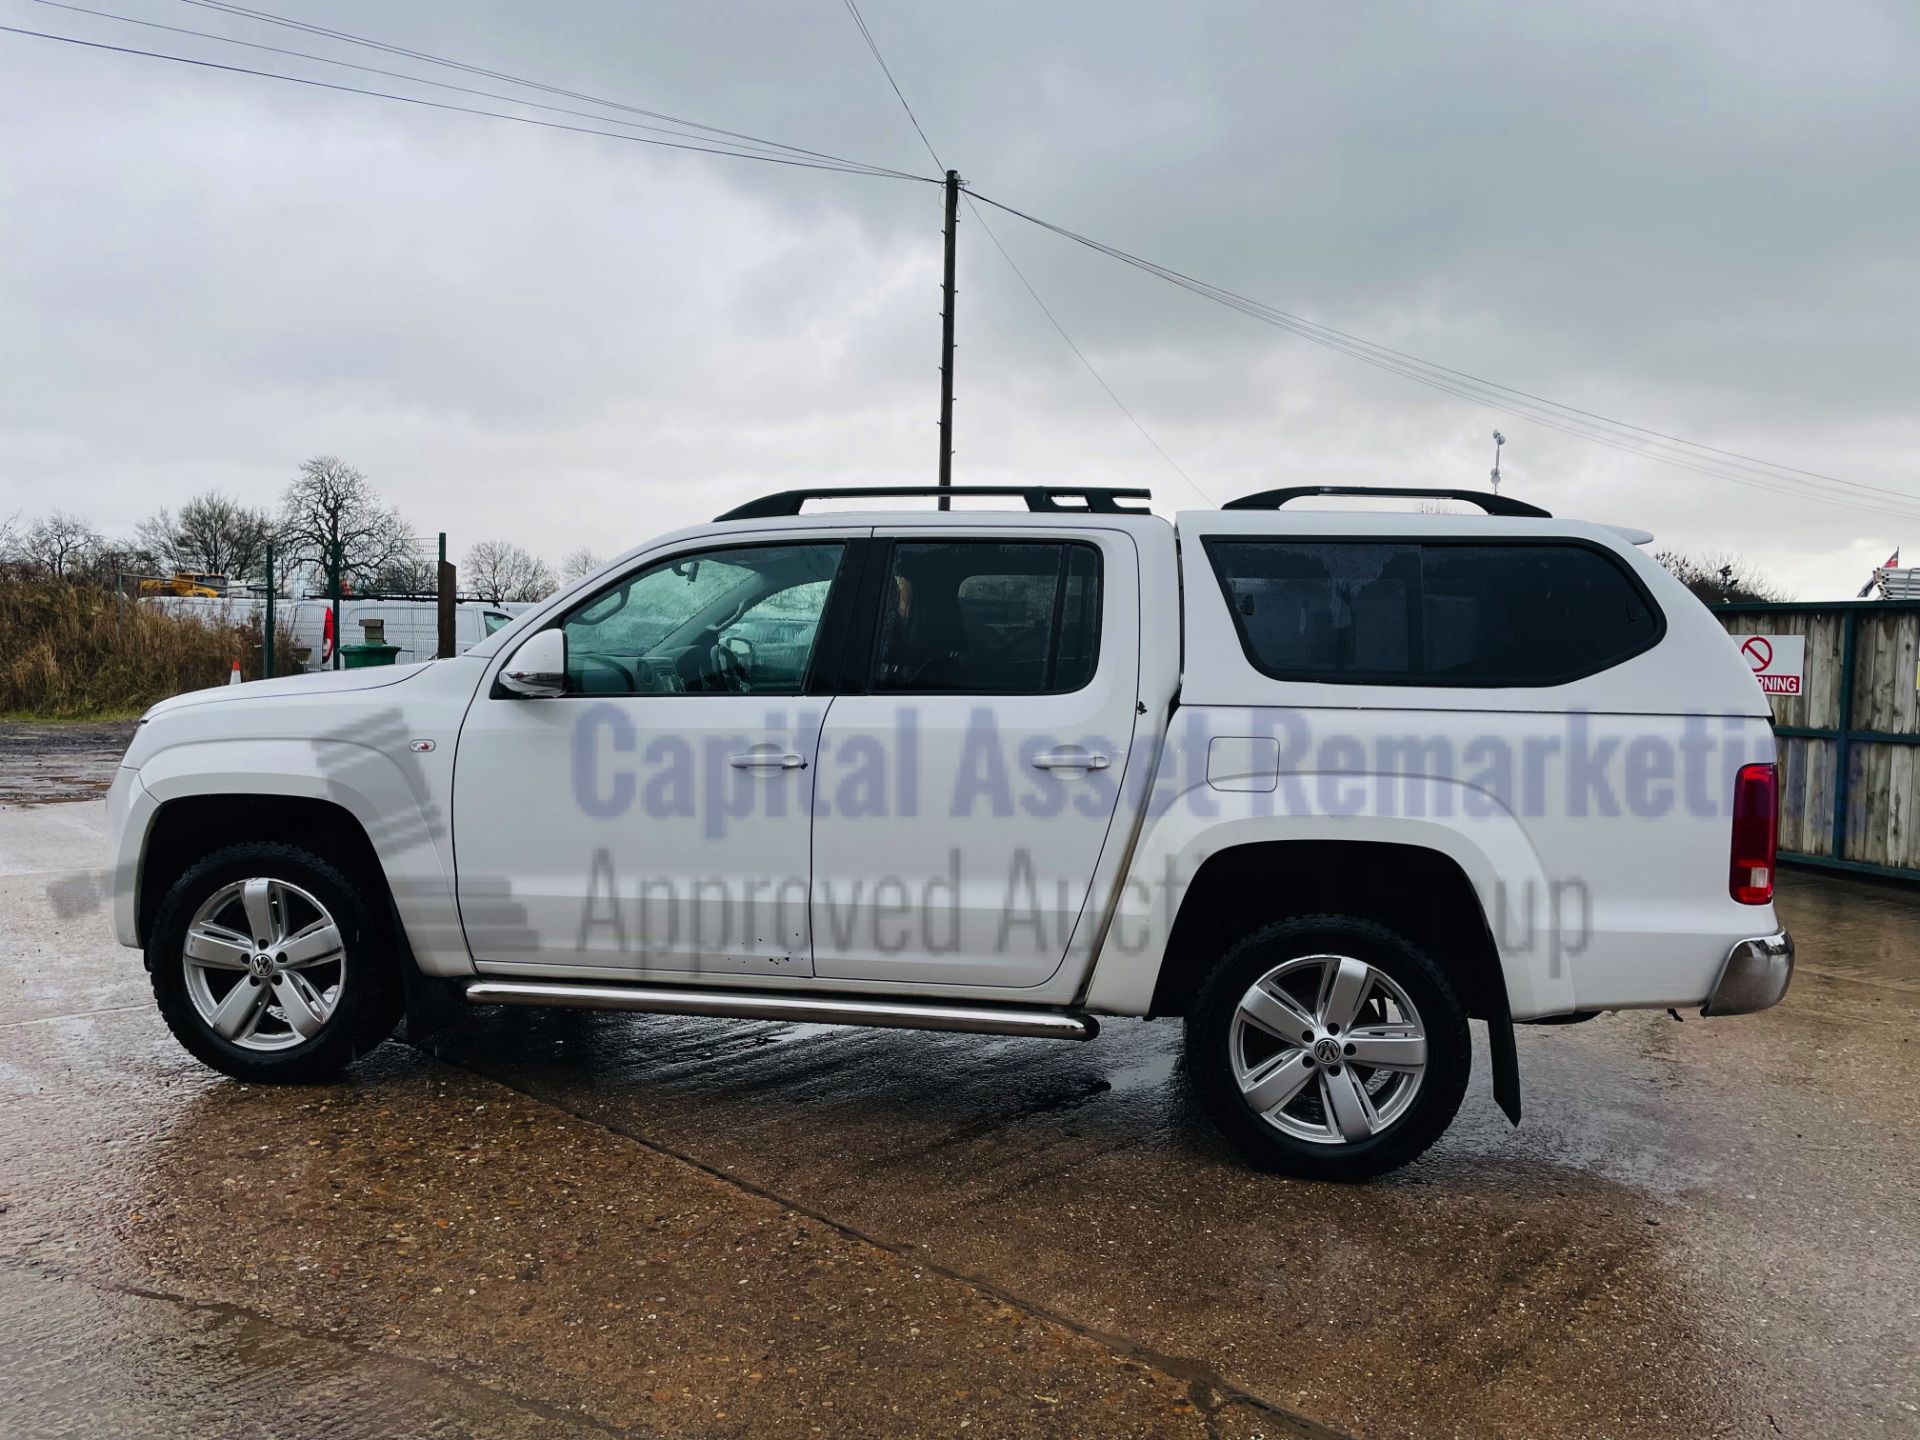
(818, 1010)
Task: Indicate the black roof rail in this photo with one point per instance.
(1096, 501)
(1485, 499)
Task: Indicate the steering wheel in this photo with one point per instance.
(741, 649)
(732, 664)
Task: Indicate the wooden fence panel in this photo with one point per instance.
(1886, 697)
(1812, 831)
(1859, 842)
(1806, 795)
(1903, 795)
(1819, 702)
(1880, 791)
(1793, 791)
(1875, 834)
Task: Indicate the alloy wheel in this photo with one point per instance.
(1328, 1049)
(264, 963)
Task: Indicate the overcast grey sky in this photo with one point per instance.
(1698, 218)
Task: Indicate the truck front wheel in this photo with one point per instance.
(269, 962)
(1328, 1047)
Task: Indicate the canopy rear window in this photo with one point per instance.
(1427, 612)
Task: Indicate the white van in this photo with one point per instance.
(413, 625)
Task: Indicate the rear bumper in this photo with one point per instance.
(1754, 976)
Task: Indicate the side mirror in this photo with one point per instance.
(538, 669)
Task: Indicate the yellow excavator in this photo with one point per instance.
(184, 583)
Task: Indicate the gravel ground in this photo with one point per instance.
(56, 760)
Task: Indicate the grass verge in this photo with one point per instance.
(78, 652)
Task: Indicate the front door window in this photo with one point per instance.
(738, 621)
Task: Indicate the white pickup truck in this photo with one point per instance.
(1325, 783)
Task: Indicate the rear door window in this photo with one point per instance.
(985, 617)
(1441, 613)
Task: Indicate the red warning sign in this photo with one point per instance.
(1778, 661)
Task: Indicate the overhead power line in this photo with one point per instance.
(854, 10)
(740, 153)
(881, 60)
(767, 147)
(1081, 357)
(1550, 414)
(268, 17)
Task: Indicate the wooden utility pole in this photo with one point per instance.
(946, 342)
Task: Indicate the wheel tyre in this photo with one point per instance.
(371, 996)
(1210, 1060)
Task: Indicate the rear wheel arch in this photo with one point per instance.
(1417, 892)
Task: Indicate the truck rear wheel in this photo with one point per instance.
(269, 962)
(1328, 1047)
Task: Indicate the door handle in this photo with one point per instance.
(763, 760)
(1070, 760)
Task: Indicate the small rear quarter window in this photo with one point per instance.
(1438, 613)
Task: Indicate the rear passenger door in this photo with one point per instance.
(969, 765)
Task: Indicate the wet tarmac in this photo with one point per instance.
(60, 760)
(564, 1222)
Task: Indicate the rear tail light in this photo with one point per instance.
(1756, 833)
(326, 637)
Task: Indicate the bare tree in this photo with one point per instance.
(212, 534)
(114, 565)
(331, 518)
(578, 564)
(61, 545)
(499, 570)
(1720, 577)
(486, 569)
(411, 574)
(538, 584)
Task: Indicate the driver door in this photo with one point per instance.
(654, 820)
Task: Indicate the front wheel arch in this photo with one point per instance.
(188, 828)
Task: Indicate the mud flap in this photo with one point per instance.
(1505, 1058)
(431, 1002)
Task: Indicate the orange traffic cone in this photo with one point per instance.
(234, 678)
